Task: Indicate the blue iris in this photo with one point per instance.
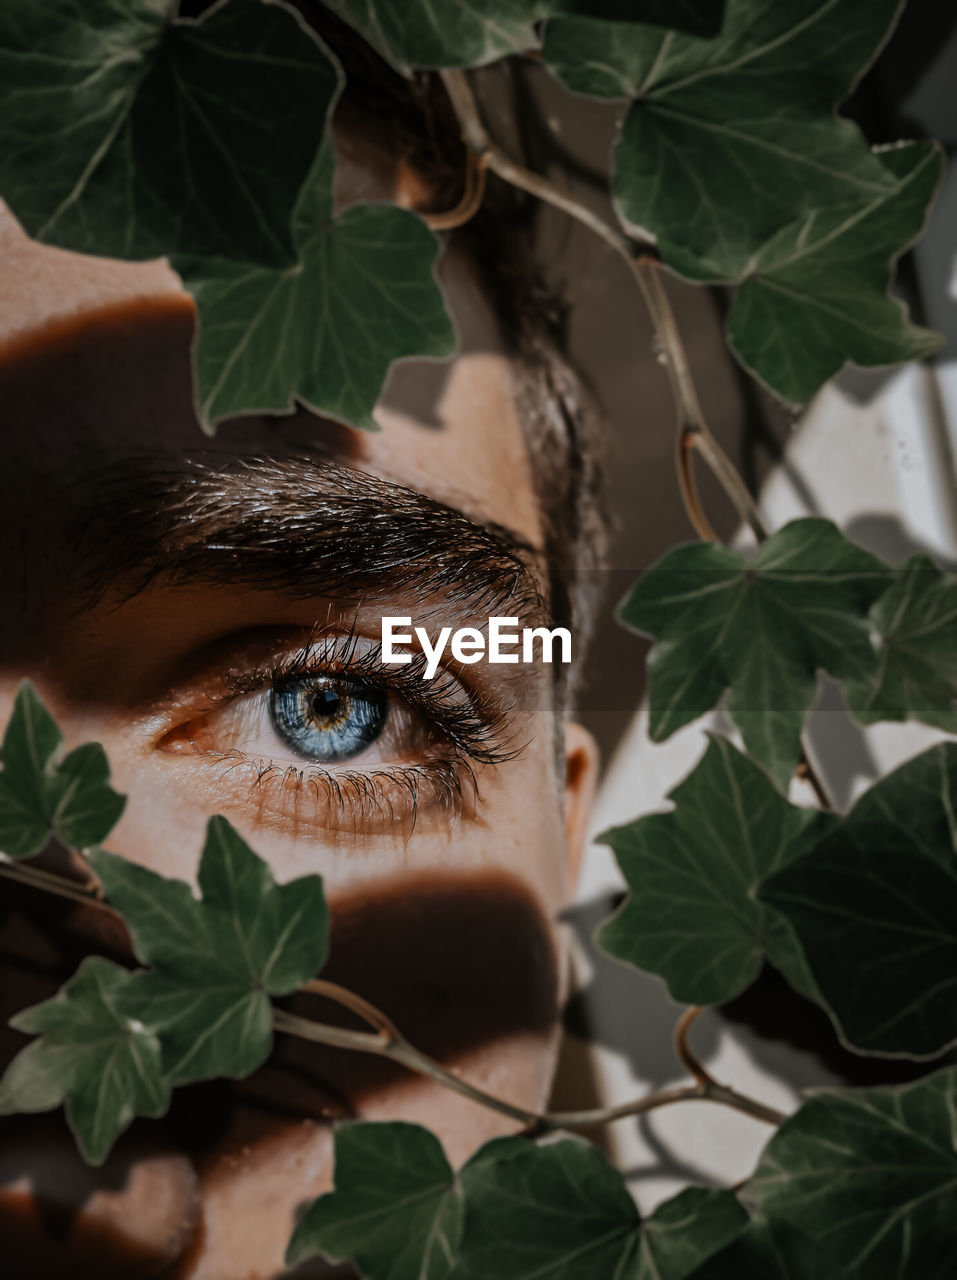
(325, 718)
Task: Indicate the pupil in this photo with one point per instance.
(326, 704)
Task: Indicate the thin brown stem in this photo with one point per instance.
(350, 1000)
(688, 488)
(712, 1092)
(683, 1049)
(399, 1050)
(645, 268)
(387, 1041)
(723, 470)
(50, 882)
(395, 1047)
(807, 773)
(694, 434)
(476, 138)
(693, 429)
(471, 201)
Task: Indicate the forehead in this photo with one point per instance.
(94, 368)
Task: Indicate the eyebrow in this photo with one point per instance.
(300, 525)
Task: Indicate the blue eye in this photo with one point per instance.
(327, 719)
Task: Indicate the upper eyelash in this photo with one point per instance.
(476, 726)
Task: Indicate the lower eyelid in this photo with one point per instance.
(339, 803)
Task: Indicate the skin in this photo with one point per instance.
(95, 356)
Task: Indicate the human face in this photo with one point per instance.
(155, 585)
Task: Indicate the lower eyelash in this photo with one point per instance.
(360, 801)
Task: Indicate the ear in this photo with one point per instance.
(581, 780)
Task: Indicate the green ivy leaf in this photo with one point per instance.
(870, 1175)
(769, 1250)
(396, 1210)
(126, 132)
(43, 796)
(731, 140)
(916, 674)
(514, 1211)
(761, 624)
(816, 295)
(732, 157)
(422, 35)
(602, 60)
(216, 961)
(560, 1210)
(293, 304)
(703, 17)
(361, 294)
(875, 909)
(686, 1231)
(103, 1064)
(693, 916)
(613, 58)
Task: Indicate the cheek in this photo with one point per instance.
(467, 965)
